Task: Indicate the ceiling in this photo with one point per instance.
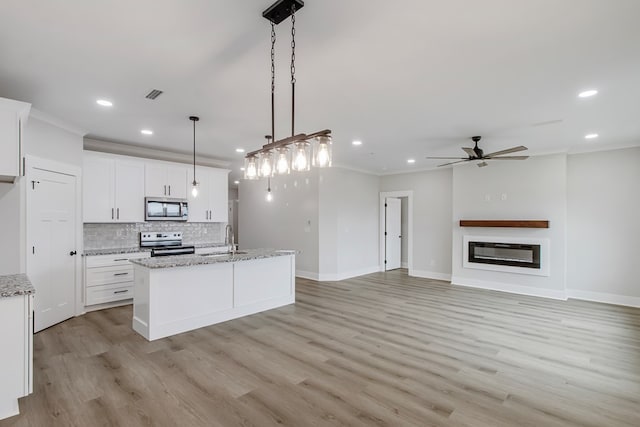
(410, 79)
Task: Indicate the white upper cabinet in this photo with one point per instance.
(13, 115)
(112, 188)
(165, 180)
(211, 203)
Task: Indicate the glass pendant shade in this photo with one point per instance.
(322, 152)
(301, 157)
(266, 168)
(269, 196)
(282, 161)
(251, 167)
(194, 188)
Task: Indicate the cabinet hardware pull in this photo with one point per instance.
(169, 189)
(165, 190)
(111, 213)
(121, 259)
(72, 253)
(118, 213)
(120, 274)
(121, 292)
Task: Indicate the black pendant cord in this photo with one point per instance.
(293, 68)
(273, 81)
(194, 119)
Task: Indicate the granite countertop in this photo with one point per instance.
(15, 285)
(136, 249)
(191, 260)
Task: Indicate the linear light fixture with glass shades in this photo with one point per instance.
(298, 152)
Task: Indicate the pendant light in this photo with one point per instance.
(194, 184)
(295, 152)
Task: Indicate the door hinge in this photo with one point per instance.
(385, 261)
(33, 184)
(385, 233)
(385, 205)
(33, 250)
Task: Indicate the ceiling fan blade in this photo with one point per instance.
(453, 163)
(507, 158)
(456, 158)
(470, 152)
(507, 151)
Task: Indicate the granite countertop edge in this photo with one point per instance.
(194, 260)
(137, 249)
(13, 285)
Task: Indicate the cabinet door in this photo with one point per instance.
(155, 180)
(199, 206)
(9, 143)
(219, 195)
(98, 197)
(177, 182)
(129, 182)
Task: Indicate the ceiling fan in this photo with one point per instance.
(476, 153)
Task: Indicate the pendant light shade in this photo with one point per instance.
(282, 161)
(251, 167)
(322, 152)
(301, 156)
(194, 184)
(266, 168)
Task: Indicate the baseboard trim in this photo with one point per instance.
(604, 297)
(504, 287)
(307, 275)
(430, 275)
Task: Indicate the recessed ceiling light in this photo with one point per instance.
(587, 93)
(146, 132)
(591, 136)
(104, 103)
(357, 142)
(239, 150)
(410, 161)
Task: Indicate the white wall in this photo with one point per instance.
(43, 140)
(404, 231)
(604, 225)
(431, 219)
(348, 232)
(531, 189)
(290, 221)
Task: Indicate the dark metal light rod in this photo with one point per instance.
(289, 140)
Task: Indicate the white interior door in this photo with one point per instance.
(51, 263)
(393, 236)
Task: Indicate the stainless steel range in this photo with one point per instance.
(165, 243)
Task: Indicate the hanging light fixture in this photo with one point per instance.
(294, 152)
(269, 196)
(194, 184)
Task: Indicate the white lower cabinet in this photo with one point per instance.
(109, 278)
(16, 357)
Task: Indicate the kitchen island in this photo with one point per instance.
(177, 294)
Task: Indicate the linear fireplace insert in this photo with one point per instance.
(509, 254)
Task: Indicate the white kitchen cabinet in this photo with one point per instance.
(211, 204)
(109, 278)
(16, 357)
(13, 115)
(165, 180)
(112, 188)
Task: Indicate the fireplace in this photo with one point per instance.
(512, 254)
(522, 255)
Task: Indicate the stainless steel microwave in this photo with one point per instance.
(163, 209)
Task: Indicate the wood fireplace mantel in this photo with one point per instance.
(518, 223)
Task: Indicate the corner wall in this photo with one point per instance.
(604, 226)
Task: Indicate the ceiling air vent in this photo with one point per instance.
(154, 94)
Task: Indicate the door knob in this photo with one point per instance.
(72, 253)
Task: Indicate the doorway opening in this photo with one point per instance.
(396, 230)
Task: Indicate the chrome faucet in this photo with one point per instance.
(229, 238)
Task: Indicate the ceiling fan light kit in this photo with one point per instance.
(299, 151)
(476, 153)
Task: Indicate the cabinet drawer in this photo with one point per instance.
(114, 260)
(109, 293)
(109, 275)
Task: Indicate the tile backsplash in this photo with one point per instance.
(109, 236)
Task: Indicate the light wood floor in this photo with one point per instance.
(382, 349)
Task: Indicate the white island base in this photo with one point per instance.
(169, 301)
